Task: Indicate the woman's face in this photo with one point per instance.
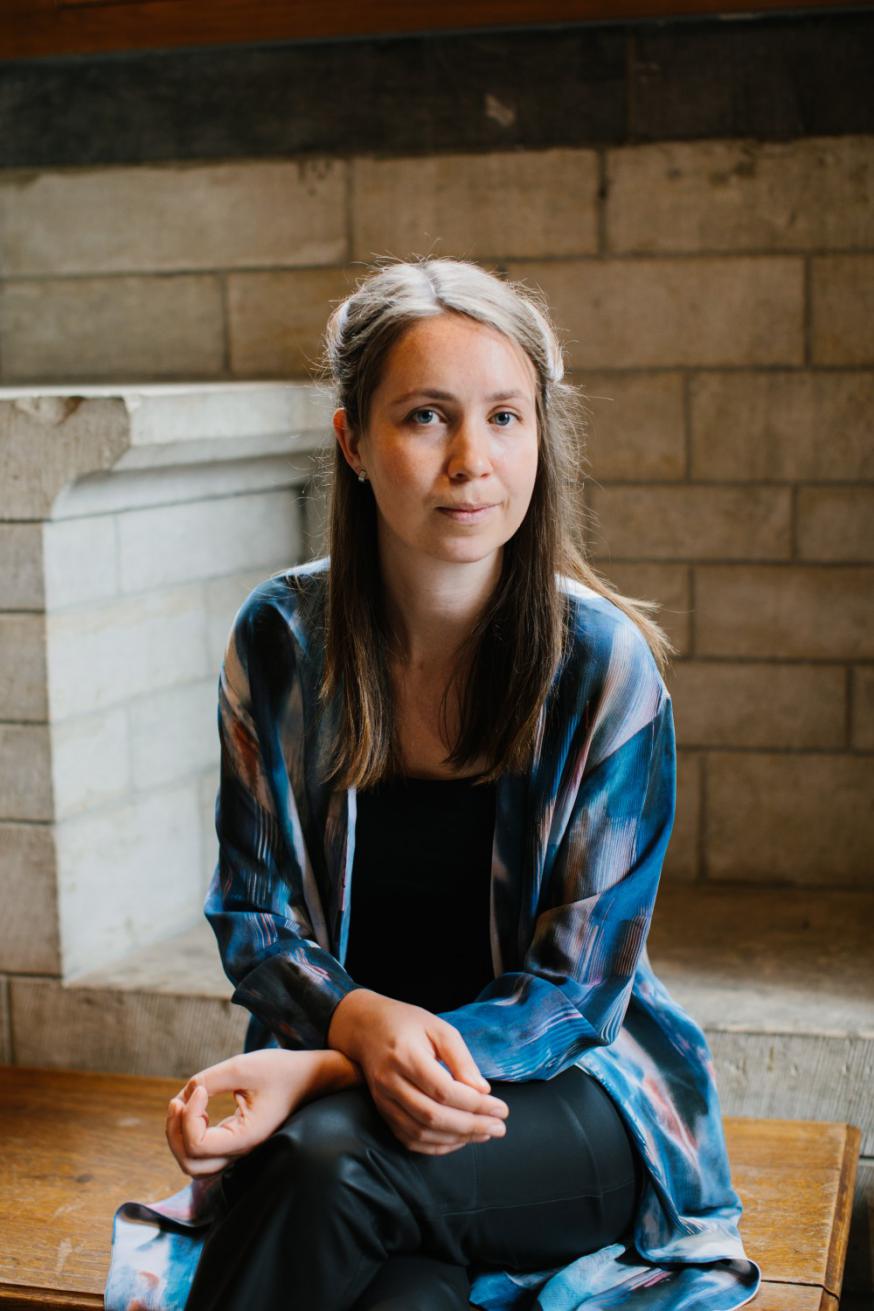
(451, 445)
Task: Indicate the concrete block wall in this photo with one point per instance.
(122, 569)
(716, 300)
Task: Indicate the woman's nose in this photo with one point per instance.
(469, 450)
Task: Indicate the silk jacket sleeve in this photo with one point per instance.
(256, 902)
(593, 913)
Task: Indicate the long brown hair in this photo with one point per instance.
(521, 639)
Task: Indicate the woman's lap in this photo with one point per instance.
(564, 1180)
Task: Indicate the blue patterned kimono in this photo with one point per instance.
(578, 849)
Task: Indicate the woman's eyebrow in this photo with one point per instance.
(437, 394)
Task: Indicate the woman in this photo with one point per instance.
(448, 784)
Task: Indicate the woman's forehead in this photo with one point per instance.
(445, 349)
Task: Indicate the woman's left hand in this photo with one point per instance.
(267, 1086)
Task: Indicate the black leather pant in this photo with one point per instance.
(334, 1213)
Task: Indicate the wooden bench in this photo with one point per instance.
(76, 1145)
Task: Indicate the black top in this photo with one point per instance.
(421, 880)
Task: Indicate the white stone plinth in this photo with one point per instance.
(133, 522)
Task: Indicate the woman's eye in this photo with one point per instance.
(504, 417)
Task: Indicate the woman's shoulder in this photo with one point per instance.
(602, 631)
(287, 597)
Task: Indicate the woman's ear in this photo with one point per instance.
(347, 438)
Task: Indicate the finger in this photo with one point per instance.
(233, 1136)
(194, 1166)
(454, 1051)
(434, 1151)
(414, 1129)
(188, 1163)
(440, 1118)
(439, 1085)
(194, 1121)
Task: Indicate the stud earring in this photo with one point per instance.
(362, 475)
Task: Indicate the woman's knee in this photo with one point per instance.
(321, 1142)
(339, 1121)
(315, 1148)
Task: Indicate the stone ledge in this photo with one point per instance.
(747, 959)
(126, 436)
(780, 981)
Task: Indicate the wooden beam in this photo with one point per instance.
(40, 28)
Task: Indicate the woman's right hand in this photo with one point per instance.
(267, 1085)
(399, 1048)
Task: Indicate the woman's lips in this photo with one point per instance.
(467, 516)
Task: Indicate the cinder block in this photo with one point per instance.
(635, 426)
(692, 522)
(48, 441)
(23, 667)
(21, 566)
(793, 1076)
(29, 936)
(25, 772)
(173, 733)
(202, 539)
(815, 192)
(123, 648)
(163, 219)
(514, 203)
(134, 1032)
(781, 979)
(721, 703)
(862, 699)
(276, 320)
(666, 583)
(674, 313)
(800, 612)
(682, 861)
(90, 761)
(155, 841)
(101, 329)
(782, 425)
(258, 416)
(842, 309)
(789, 818)
(836, 523)
(81, 560)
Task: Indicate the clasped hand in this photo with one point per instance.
(399, 1048)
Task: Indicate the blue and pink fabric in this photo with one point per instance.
(577, 856)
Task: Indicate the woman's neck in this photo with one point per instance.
(433, 605)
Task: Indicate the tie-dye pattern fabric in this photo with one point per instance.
(578, 849)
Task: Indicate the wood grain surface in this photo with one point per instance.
(78, 1144)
